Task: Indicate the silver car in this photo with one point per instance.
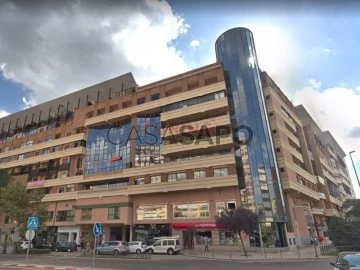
(137, 247)
(113, 247)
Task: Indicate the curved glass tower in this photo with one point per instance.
(257, 170)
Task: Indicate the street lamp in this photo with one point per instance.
(357, 177)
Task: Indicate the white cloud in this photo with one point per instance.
(326, 50)
(195, 43)
(3, 113)
(27, 104)
(68, 45)
(357, 88)
(337, 110)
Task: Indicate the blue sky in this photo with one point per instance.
(310, 50)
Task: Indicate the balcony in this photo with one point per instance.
(278, 142)
(320, 180)
(189, 184)
(282, 162)
(196, 125)
(126, 112)
(298, 188)
(55, 182)
(206, 162)
(200, 109)
(44, 157)
(276, 124)
(335, 201)
(332, 212)
(209, 143)
(322, 195)
(330, 177)
(44, 145)
(317, 211)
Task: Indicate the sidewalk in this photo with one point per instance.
(305, 253)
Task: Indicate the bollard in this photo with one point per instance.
(265, 253)
(230, 253)
(213, 252)
(280, 253)
(298, 249)
(316, 252)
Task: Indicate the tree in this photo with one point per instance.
(238, 221)
(345, 231)
(18, 203)
(4, 178)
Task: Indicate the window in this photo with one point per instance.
(274, 131)
(271, 113)
(191, 210)
(63, 174)
(231, 205)
(62, 216)
(139, 180)
(68, 133)
(6, 149)
(221, 172)
(48, 139)
(267, 97)
(113, 213)
(150, 212)
(65, 160)
(199, 174)
(220, 208)
(282, 170)
(277, 149)
(67, 188)
(156, 179)
(219, 95)
(49, 215)
(176, 177)
(46, 151)
(140, 101)
(67, 146)
(21, 157)
(86, 214)
(155, 96)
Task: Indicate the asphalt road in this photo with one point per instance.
(167, 262)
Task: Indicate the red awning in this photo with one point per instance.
(197, 225)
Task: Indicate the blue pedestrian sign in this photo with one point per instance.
(33, 223)
(97, 229)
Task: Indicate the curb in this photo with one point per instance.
(34, 266)
(259, 260)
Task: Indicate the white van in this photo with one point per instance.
(165, 245)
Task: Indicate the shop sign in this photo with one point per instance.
(197, 225)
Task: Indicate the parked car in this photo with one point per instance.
(68, 247)
(137, 247)
(113, 247)
(347, 261)
(25, 245)
(43, 246)
(166, 245)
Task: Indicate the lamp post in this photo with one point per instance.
(357, 177)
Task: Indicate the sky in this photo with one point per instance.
(51, 48)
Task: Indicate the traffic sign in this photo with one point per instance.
(30, 235)
(33, 223)
(97, 229)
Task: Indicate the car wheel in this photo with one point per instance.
(151, 251)
(170, 251)
(69, 250)
(138, 251)
(116, 252)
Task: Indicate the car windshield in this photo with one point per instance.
(352, 260)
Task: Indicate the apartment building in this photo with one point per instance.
(327, 159)
(120, 159)
(309, 166)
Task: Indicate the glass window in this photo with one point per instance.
(62, 216)
(46, 151)
(164, 242)
(231, 205)
(48, 138)
(220, 208)
(176, 176)
(155, 96)
(140, 101)
(156, 179)
(139, 180)
(221, 172)
(150, 212)
(113, 213)
(191, 210)
(199, 174)
(86, 214)
(171, 242)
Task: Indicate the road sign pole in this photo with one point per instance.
(28, 249)
(93, 262)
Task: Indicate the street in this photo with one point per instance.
(165, 263)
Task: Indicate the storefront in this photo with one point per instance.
(147, 232)
(68, 234)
